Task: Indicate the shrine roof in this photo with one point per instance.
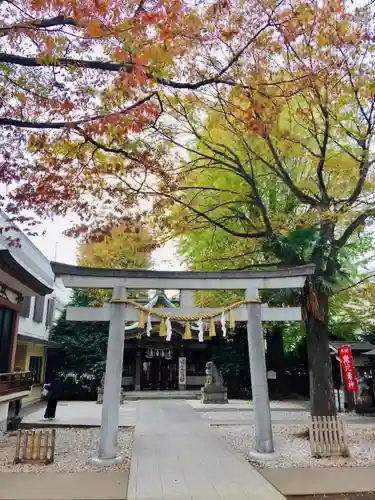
(355, 345)
(158, 298)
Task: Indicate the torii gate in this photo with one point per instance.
(119, 280)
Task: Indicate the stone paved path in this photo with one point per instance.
(176, 456)
(77, 413)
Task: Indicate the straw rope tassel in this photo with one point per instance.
(141, 319)
(168, 326)
(223, 324)
(212, 332)
(149, 325)
(201, 330)
(178, 317)
(187, 335)
(232, 320)
(163, 330)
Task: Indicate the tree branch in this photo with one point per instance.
(284, 175)
(35, 62)
(355, 284)
(364, 168)
(74, 124)
(40, 23)
(259, 234)
(219, 259)
(323, 151)
(359, 221)
(252, 266)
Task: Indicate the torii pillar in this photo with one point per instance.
(108, 448)
(258, 374)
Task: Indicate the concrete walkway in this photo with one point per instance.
(78, 414)
(322, 481)
(176, 456)
(68, 486)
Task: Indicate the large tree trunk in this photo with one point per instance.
(315, 308)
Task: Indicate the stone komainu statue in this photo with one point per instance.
(213, 376)
(213, 390)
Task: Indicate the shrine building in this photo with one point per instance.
(152, 363)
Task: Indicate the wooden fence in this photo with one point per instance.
(35, 446)
(328, 437)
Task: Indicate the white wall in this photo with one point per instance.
(27, 326)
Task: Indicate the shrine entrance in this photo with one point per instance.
(198, 322)
(159, 369)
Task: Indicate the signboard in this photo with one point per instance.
(340, 400)
(271, 375)
(181, 371)
(348, 371)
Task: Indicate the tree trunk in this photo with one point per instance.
(315, 308)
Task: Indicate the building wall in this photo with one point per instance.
(20, 358)
(195, 380)
(25, 351)
(40, 331)
(11, 304)
(34, 263)
(28, 326)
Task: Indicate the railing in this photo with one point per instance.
(14, 382)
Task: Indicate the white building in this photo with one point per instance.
(30, 302)
(24, 272)
(37, 317)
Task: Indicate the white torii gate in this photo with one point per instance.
(119, 280)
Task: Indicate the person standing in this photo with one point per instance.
(54, 394)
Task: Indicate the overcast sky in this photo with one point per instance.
(56, 246)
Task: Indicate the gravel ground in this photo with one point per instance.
(73, 449)
(295, 452)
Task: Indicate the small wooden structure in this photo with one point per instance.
(35, 447)
(14, 382)
(328, 437)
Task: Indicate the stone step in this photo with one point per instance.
(141, 395)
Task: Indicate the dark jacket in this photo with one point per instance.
(55, 389)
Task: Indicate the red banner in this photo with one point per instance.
(348, 371)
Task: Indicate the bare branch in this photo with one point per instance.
(357, 222)
(355, 284)
(73, 124)
(323, 151)
(40, 23)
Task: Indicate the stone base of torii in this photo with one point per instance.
(188, 282)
